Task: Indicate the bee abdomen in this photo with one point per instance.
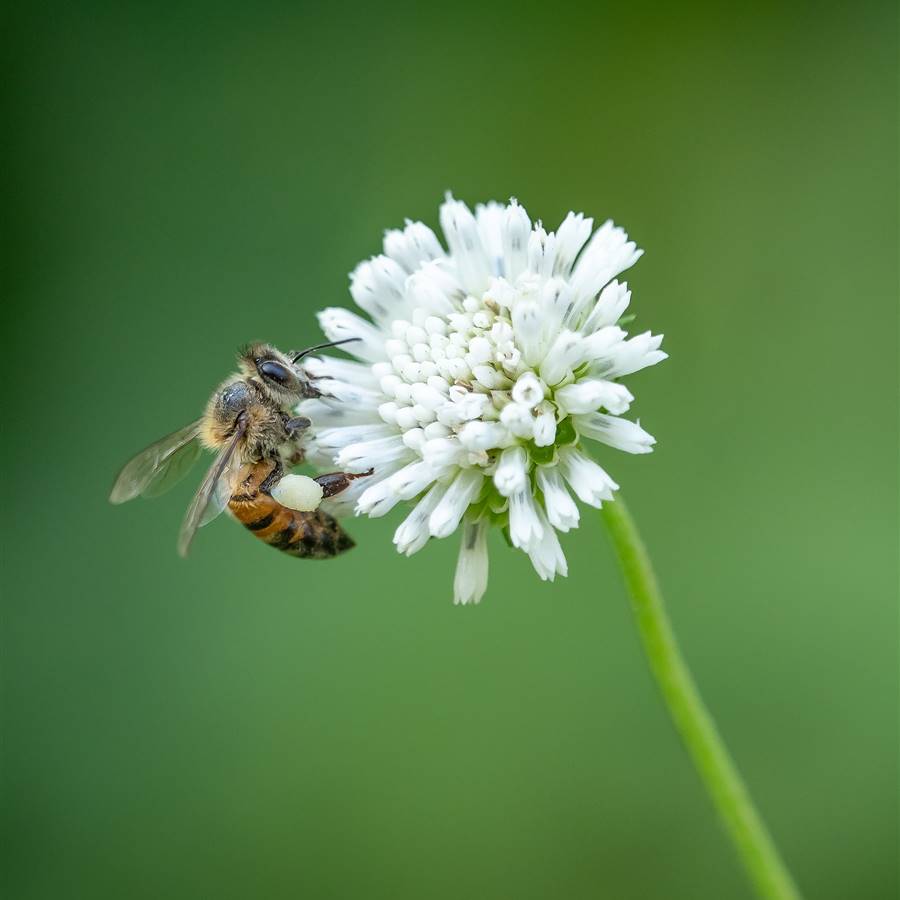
(310, 535)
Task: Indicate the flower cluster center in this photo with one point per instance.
(463, 375)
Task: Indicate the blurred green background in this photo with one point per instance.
(181, 179)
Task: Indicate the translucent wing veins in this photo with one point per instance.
(159, 466)
(194, 517)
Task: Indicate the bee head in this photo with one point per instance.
(274, 371)
(279, 373)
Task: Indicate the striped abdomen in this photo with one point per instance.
(311, 535)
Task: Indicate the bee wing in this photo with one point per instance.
(219, 499)
(177, 465)
(197, 510)
(158, 467)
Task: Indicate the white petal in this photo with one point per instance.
(561, 508)
(427, 396)
(412, 534)
(546, 554)
(411, 480)
(378, 499)
(511, 475)
(608, 253)
(443, 451)
(406, 418)
(413, 246)
(612, 302)
(590, 395)
(414, 438)
(518, 420)
(528, 390)
(557, 302)
(388, 412)
(377, 286)
(490, 218)
(629, 356)
(339, 369)
(528, 326)
(601, 346)
(339, 324)
(501, 292)
(545, 425)
(349, 393)
(591, 483)
(365, 455)
(462, 491)
(469, 406)
(571, 237)
(404, 484)
(565, 353)
(516, 229)
(328, 414)
(480, 351)
(541, 252)
(524, 524)
(335, 439)
(618, 433)
(436, 430)
(464, 240)
(470, 581)
(483, 435)
(490, 378)
(434, 289)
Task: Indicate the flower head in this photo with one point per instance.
(482, 371)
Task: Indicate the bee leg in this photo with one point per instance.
(296, 457)
(294, 427)
(335, 482)
(272, 478)
(309, 390)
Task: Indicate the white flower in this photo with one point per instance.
(481, 371)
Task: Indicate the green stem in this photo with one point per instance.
(692, 719)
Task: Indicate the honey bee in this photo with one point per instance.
(248, 421)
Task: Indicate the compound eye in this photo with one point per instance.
(274, 371)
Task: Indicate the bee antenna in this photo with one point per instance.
(302, 353)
